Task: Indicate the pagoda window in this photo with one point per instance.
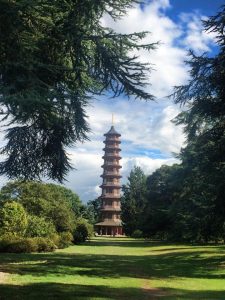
(108, 216)
(109, 202)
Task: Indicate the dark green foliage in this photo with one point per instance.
(65, 240)
(54, 203)
(186, 202)
(39, 217)
(13, 219)
(18, 245)
(203, 159)
(91, 211)
(133, 201)
(82, 232)
(162, 187)
(53, 56)
(137, 234)
(44, 244)
(26, 245)
(39, 226)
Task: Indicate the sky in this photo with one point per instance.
(149, 138)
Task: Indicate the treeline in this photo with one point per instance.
(171, 205)
(186, 202)
(35, 216)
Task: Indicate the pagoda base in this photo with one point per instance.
(109, 228)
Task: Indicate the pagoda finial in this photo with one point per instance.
(112, 119)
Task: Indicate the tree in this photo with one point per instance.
(83, 231)
(39, 227)
(46, 200)
(163, 186)
(204, 155)
(13, 219)
(133, 201)
(91, 211)
(54, 55)
(60, 192)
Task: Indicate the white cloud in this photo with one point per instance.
(196, 38)
(145, 126)
(86, 180)
(147, 164)
(167, 60)
(142, 124)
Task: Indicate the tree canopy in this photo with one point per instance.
(133, 200)
(54, 56)
(186, 202)
(204, 155)
(55, 203)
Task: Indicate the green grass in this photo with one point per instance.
(116, 269)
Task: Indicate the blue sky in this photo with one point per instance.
(204, 7)
(148, 136)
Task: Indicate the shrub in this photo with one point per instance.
(137, 234)
(65, 239)
(53, 202)
(82, 232)
(62, 240)
(90, 228)
(39, 227)
(5, 243)
(13, 219)
(18, 245)
(55, 238)
(26, 245)
(44, 244)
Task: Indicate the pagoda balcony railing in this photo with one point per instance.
(110, 195)
(111, 147)
(109, 163)
(111, 166)
(112, 140)
(111, 208)
(111, 155)
(114, 173)
(111, 184)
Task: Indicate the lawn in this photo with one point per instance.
(115, 269)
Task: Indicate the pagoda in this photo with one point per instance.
(110, 197)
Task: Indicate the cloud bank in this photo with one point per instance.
(148, 135)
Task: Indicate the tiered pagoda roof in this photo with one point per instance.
(110, 209)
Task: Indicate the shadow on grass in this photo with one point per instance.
(183, 294)
(57, 291)
(177, 264)
(123, 242)
(155, 265)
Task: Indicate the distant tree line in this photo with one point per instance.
(186, 202)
